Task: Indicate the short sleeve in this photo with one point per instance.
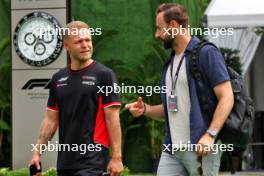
(213, 66)
(52, 102)
(109, 85)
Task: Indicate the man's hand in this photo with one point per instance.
(115, 166)
(136, 108)
(48, 128)
(204, 145)
(35, 160)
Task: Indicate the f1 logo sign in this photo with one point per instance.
(32, 83)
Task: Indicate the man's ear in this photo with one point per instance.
(174, 24)
(65, 44)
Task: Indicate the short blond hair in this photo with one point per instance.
(75, 25)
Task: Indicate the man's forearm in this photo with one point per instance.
(221, 113)
(47, 131)
(114, 130)
(155, 112)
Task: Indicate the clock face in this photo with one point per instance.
(37, 39)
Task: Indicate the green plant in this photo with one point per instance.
(3, 171)
(52, 171)
(18, 172)
(5, 85)
(203, 4)
(5, 96)
(260, 31)
(232, 59)
(153, 66)
(100, 39)
(127, 124)
(126, 172)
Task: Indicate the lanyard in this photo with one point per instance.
(174, 80)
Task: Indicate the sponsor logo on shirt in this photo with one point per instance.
(85, 77)
(61, 85)
(61, 82)
(90, 83)
(88, 80)
(63, 79)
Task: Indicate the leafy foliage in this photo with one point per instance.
(232, 59)
(126, 172)
(260, 31)
(5, 84)
(5, 100)
(52, 171)
(99, 40)
(5, 75)
(19, 172)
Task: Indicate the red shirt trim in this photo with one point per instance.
(52, 108)
(111, 104)
(101, 135)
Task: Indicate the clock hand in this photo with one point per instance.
(28, 38)
(45, 37)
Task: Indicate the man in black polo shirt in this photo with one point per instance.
(86, 117)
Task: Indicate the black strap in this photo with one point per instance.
(196, 74)
(174, 80)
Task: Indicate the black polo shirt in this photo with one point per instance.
(76, 97)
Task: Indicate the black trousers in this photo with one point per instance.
(80, 172)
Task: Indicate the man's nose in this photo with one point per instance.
(158, 36)
(84, 44)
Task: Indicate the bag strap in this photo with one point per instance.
(196, 74)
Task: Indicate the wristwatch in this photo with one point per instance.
(212, 132)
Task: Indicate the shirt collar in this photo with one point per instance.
(192, 43)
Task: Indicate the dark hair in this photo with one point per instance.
(174, 11)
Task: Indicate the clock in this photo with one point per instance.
(37, 39)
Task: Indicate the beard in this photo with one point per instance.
(168, 42)
(81, 59)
